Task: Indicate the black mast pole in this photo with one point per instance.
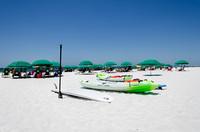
(60, 94)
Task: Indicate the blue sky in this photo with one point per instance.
(100, 30)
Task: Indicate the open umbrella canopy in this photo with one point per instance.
(85, 63)
(118, 67)
(96, 66)
(20, 64)
(74, 67)
(139, 63)
(162, 64)
(84, 66)
(41, 63)
(181, 62)
(126, 63)
(55, 64)
(100, 65)
(110, 63)
(93, 66)
(150, 62)
(67, 66)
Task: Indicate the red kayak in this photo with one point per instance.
(134, 80)
(115, 76)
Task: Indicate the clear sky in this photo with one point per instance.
(100, 30)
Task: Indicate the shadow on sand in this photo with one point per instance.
(76, 97)
(153, 75)
(111, 91)
(147, 93)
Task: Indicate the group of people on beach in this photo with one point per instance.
(33, 73)
(84, 70)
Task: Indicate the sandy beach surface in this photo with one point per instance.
(28, 105)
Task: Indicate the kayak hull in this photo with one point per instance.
(132, 87)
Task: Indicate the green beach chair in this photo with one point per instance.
(16, 74)
(6, 72)
(38, 70)
(47, 71)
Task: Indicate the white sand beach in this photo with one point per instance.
(28, 105)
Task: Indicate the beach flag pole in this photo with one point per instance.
(59, 93)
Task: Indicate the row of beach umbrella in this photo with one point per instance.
(150, 62)
(89, 64)
(36, 63)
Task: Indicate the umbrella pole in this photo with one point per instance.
(59, 93)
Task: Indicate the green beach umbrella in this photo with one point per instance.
(93, 66)
(139, 63)
(85, 63)
(181, 62)
(110, 63)
(150, 62)
(66, 66)
(55, 64)
(161, 65)
(41, 63)
(74, 67)
(96, 66)
(20, 64)
(8, 66)
(126, 63)
(84, 66)
(118, 67)
(100, 65)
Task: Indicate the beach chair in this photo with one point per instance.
(6, 73)
(180, 69)
(16, 74)
(47, 71)
(23, 73)
(169, 69)
(51, 72)
(59, 72)
(142, 69)
(38, 72)
(31, 74)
